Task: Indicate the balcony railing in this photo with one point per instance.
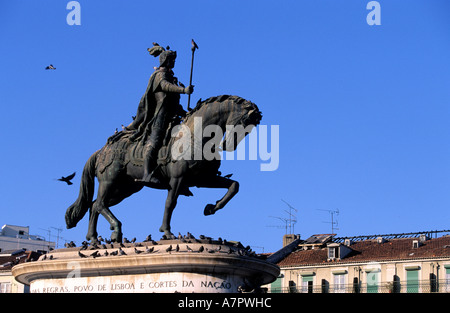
(420, 286)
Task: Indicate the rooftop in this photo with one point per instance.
(10, 258)
(314, 250)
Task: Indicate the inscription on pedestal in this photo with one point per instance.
(171, 282)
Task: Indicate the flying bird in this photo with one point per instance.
(67, 179)
(50, 67)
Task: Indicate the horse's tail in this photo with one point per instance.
(79, 208)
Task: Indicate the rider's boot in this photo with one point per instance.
(148, 176)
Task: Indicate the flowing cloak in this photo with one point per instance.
(156, 103)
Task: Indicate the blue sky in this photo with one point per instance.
(362, 111)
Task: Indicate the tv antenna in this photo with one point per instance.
(289, 221)
(292, 216)
(48, 233)
(333, 222)
(59, 230)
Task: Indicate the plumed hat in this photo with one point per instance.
(163, 54)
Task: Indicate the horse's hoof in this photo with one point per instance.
(210, 209)
(167, 234)
(116, 237)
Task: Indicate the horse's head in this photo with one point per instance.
(234, 116)
(241, 121)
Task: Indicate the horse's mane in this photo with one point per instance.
(222, 98)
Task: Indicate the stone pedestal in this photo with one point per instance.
(166, 266)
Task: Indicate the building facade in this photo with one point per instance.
(8, 259)
(18, 237)
(394, 263)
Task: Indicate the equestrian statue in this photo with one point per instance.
(160, 149)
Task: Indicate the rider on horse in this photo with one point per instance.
(159, 106)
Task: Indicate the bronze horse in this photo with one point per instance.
(118, 165)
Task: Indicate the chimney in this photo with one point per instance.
(423, 238)
(381, 240)
(287, 239)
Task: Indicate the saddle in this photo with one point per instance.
(121, 150)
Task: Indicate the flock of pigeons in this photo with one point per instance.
(100, 248)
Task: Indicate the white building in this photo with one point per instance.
(18, 237)
(390, 263)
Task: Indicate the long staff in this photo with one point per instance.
(194, 47)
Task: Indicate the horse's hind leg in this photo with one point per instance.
(116, 225)
(171, 202)
(92, 228)
(100, 206)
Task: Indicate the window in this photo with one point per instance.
(412, 279)
(372, 281)
(339, 283)
(333, 253)
(275, 287)
(447, 278)
(307, 283)
(5, 287)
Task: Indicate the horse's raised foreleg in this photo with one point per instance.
(171, 202)
(220, 182)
